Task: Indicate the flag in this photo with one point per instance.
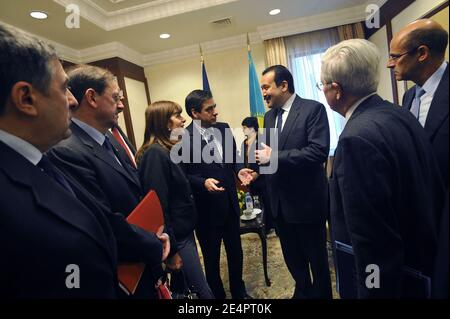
(205, 78)
(204, 75)
(256, 100)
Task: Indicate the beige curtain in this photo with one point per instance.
(276, 52)
(351, 31)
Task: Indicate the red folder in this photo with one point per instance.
(148, 215)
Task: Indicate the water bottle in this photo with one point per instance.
(248, 202)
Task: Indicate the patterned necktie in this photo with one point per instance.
(279, 121)
(415, 106)
(47, 166)
(210, 138)
(119, 138)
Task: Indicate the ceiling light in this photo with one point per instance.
(164, 36)
(40, 15)
(274, 12)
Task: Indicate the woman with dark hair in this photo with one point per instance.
(250, 128)
(157, 172)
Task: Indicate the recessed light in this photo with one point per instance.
(40, 15)
(164, 36)
(274, 12)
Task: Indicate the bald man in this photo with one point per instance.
(417, 54)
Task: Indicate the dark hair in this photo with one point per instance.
(84, 77)
(251, 121)
(281, 74)
(157, 117)
(195, 99)
(435, 39)
(23, 58)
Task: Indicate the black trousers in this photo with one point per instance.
(210, 239)
(304, 248)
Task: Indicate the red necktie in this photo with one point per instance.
(115, 132)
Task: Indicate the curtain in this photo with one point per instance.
(305, 53)
(276, 52)
(351, 31)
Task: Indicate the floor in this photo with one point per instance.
(282, 283)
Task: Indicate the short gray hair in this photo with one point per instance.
(23, 58)
(353, 64)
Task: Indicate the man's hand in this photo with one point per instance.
(164, 238)
(211, 186)
(174, 263)
(246, 176)
(263, 156)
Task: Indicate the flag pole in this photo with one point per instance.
(248, 43)
(201, 53)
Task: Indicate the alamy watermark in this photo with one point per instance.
(204, 151)
(73, 279)
(373, 16)
(73, 18)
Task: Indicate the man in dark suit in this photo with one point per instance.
(417, 54)
(93, 158)
(298, 188)
(53, 245)
(386, 192)
(211, 170)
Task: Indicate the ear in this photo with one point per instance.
(424, 53)
(90, 96)
(338, 90)
(284, 86)
(24, 98)
(194, 114)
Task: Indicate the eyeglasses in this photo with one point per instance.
(320, 85)
(118, 96)
(395, 57)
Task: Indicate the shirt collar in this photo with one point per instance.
(430, 86)
(27, 150)
(287, 106)
(92, 132)
(357, 103)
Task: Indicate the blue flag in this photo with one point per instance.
(205, 78)
(256, 100)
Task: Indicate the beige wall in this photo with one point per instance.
(409, 14)
(137, 100)
(228, 79)
(380, 40)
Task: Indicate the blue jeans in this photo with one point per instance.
(192, 268)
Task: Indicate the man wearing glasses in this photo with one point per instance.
(93, 157)
(418, 55)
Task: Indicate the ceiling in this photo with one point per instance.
(135, 25)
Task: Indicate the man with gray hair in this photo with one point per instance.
(386, 193)
(53, 246)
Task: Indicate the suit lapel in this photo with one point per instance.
(102, 154)
(51, 196)
(439, 107)
(292, 117)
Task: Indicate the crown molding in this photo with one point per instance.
(137, 14)
(312, 23)
(192, 51)
(111, 50)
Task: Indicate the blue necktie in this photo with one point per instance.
(279, 121)
(415, 106)
(47, 166)
(110, 149)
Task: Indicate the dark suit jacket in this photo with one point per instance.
(386, 194)
(159, 173)
(43, 229)
(436, 124)
(299, 186)
(213, 209)
(114, 187)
